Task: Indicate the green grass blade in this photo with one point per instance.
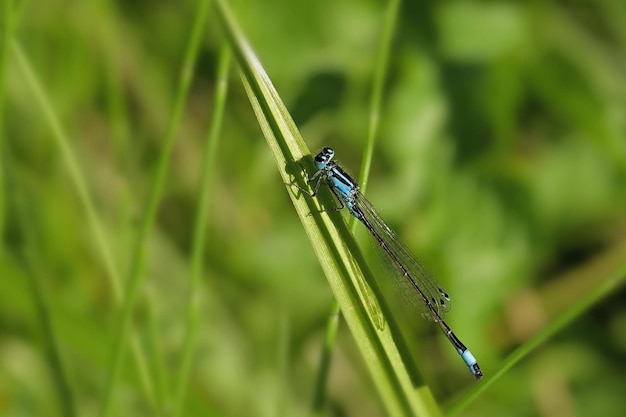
(392, 369)
(199, 230)
(382, 65)
(27, 253)
(388, 30)
(319, 394)
(73, 166)
(79, 182)
(607, 287)
(138, 259)
(155, 348)
(6, 32)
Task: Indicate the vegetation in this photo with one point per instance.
(158, 259)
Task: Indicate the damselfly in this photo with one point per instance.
(431, 294)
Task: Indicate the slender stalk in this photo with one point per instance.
(607, 287)
(380, 75)
(388, 30)
(384, 352)
(27, 252)
(332, 325)
(78, 179)
(157, 364)
(138, 260)
(200, 225)
(6, 30)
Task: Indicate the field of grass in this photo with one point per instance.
(158, 259)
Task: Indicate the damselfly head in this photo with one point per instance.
(324, 157)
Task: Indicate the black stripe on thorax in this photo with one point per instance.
(341, 175)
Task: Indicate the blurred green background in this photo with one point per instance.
(501, 162)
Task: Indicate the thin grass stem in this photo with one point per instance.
(138, 259)
(200, 226)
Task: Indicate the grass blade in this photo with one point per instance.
(6, 28)
(27, 253)
(199, 231)
(79, 182)
(393, 371)
(389, 27)
(607, 287)
(138, 259)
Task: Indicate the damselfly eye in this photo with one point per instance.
(325, 155)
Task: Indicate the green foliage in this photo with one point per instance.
(500, 160)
